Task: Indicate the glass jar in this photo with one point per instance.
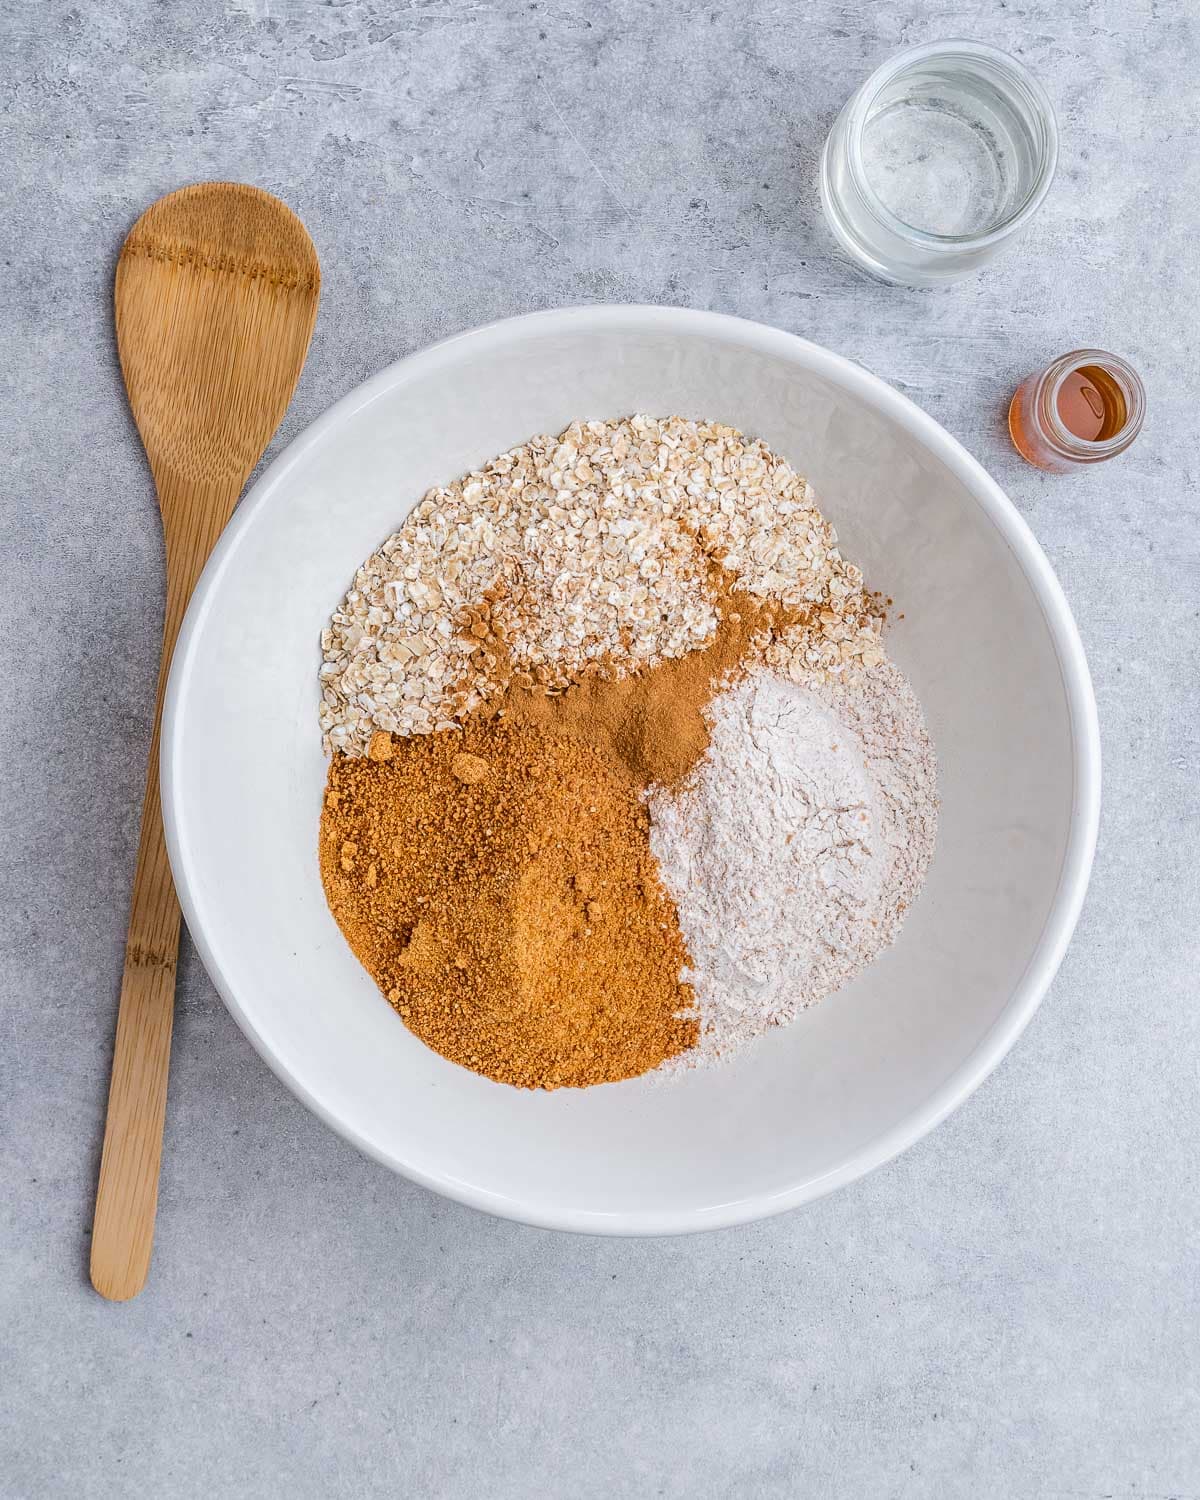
(1040, 416)
(936, 163)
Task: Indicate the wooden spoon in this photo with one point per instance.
(216, 297)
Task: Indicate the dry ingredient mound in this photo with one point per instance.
(597, 546)
(796, 845)
(498, 885)
(621, 774)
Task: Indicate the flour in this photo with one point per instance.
(796, 845)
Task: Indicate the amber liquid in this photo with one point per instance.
(1027, 440)
(1091, 404)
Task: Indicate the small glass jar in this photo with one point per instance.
(1043, 416)
(935, 164)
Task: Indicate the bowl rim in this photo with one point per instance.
(1082, 715)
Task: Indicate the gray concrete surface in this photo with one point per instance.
(1012, 1308)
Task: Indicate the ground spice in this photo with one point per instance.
(650, 723)
(498, 885)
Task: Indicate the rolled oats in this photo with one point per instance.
(595, 548)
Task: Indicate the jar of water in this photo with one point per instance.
(938, 161)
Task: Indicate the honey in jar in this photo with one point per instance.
(1083, 408)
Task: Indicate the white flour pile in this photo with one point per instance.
(795, 847)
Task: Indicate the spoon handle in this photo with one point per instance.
(127, 1195)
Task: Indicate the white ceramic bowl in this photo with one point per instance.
(987, 640)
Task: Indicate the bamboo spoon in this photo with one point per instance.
(216, 297)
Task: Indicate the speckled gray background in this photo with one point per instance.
(1012, 1308)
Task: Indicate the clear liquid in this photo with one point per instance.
(947, 153)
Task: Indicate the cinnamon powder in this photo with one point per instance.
(498, 885)
(649, 724)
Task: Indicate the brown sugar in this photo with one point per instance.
(650, 723)
(469, 768)
(513, 915)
